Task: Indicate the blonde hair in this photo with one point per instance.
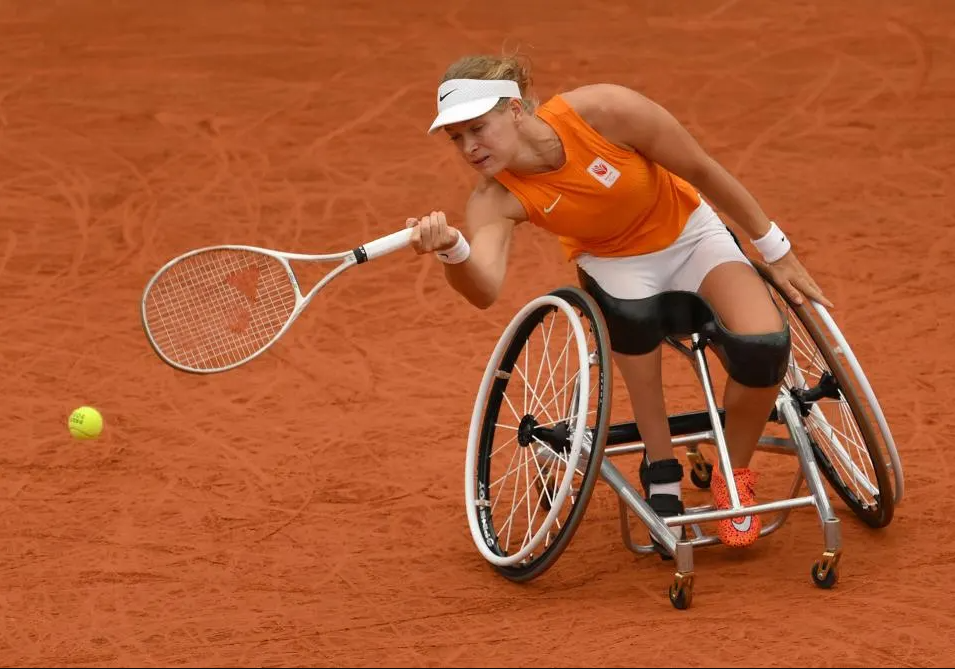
(514, 68)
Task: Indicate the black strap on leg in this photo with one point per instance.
(665, 471)
(666, 505)
(661, 471)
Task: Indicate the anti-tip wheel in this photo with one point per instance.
(537, 433)
(681, 591)
(825, 573)
(701, 474)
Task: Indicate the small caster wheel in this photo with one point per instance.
(681, 591)
(701, 474)
(824, 579)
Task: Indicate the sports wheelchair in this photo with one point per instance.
(540, 435)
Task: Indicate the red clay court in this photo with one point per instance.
(307, 509)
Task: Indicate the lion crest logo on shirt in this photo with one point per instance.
(603, 172)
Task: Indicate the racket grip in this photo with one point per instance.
(384, 245)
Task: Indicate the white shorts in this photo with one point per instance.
(704, 243)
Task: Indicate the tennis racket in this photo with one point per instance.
(218, 307)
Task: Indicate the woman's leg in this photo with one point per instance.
(632, 278)
(742, 302)
(719, 272)
(643, 377)
(661, 474)
(639, 360)
(740, 298)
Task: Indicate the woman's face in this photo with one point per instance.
(488, 142)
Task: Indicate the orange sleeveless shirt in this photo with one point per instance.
(604, 200)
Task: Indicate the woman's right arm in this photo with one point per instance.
(480, 277)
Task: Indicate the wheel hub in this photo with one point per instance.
(828, 388)
(525, 431)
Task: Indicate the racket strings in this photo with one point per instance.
(217, 308)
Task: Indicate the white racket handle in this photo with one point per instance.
(383, 245)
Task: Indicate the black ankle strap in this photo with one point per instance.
(664, 471)
(666, 505)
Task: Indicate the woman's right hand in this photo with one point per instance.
(432, 233)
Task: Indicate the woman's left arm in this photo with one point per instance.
(651, 130)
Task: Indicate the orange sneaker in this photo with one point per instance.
(742, 530)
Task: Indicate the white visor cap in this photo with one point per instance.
(465, 99)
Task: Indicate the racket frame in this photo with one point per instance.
(357, 256)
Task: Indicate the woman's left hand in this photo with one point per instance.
(793, 279)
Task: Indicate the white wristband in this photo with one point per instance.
(773, 245)
(457, 253)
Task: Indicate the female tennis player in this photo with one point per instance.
(619, 181)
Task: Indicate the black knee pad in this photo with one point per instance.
(754, 360)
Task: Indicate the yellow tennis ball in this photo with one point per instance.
(85, 423)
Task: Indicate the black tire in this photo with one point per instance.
(825, 582)
(702, 482)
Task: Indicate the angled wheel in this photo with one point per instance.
(840, 414)
(537, 433)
